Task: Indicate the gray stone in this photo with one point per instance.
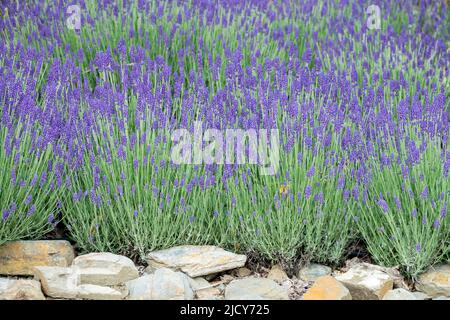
(163, 284)
(366, 282)
(436, 281)
(313, 271)
(105, 269)
(420, 295)
(196, 261)
(399, 294)
(255, 289)
(441, 298)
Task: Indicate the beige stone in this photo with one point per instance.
(58, 282)
(399, 294)
(436, 281)
(243, 272)
(327, 288)
(277, 274)
(20, 257)
(255, 289)
(21, 289)
(196, 261)
(366, 282)
(95, 292)
(104, 269)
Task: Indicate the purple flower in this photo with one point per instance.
(418, 247)
(436, 224)
(310, 172)
(444, 210)
(383, 205)
(308, 191)
(425, 193)
(31, 211)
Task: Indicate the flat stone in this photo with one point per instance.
(196, 261)
(399, 294)
(313, 271)
(327, 288)
(366, 282)
(20, 257)
(436, 281)
(420, 295)
(199, 283)
(255, 289)
(94, 292)
(277, 274)
(58, 282)
(212, 293)
(12, 289)
(441, 298)
(204, 290)
(104, 269)
(163, 284)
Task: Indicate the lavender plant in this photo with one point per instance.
(362, 116)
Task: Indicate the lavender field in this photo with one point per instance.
(116, 123)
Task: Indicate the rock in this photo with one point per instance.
(4, 283)
(277, 274)
(313, 271)
(212, 293)
(211, 276)
(441, 298)
(436, 281)
(243, 272)
(420, 295)
(105, 269)
(196, 261)
(149, 270)
(204, 290)
(255, 289)
(399, 294)
(58, 282)
(170, 285)
(163, 284)
(21, 289)
(20, 257)
(140, 288)
(199, 283)
(94, 292)
(327, 288)
(366, 282)
(226, 278)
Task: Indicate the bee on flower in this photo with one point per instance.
(284, 189)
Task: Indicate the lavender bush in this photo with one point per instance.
(91, 96)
